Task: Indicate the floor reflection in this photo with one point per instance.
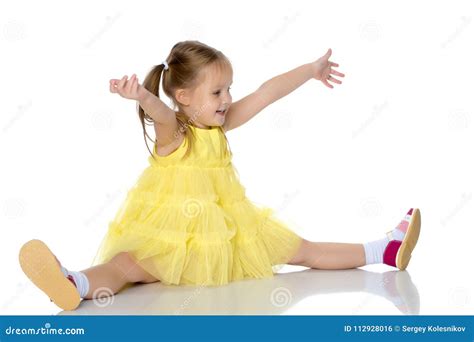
(272, 296)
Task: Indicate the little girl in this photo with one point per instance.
(187, 220)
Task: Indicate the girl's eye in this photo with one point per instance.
(218, 92)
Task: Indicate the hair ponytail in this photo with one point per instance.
(152, 84)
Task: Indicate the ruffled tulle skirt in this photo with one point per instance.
(192, 226)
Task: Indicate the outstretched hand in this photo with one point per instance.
(322, 70)
(129, 89)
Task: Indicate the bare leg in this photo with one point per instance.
(329, 255)
(114, 275)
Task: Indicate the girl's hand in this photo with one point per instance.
(129, 89)
(322, 70)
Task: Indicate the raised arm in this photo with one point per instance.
(164, 118)
(159, 112)
(279, 86)
(156, 109)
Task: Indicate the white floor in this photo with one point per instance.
(293, 291)
(439, 279)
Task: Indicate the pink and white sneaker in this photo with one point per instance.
(398, 252)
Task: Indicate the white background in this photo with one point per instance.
(341, 164)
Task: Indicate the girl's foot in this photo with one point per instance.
(400, 246)
(395, 249)
(43, 268)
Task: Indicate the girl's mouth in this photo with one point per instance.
(221, 112)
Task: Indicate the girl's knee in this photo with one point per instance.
(125, 263)
(123, 259)
(301, 255)
(130, 269)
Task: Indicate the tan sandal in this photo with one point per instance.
(42, 267)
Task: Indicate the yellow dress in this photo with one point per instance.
(189, 221)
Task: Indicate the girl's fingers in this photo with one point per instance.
(112, 88)
(128, 85)
(333, 64)
(335, 80)
(137, 85)
(125, 86)
(121, 83)
(113, 85)
(131, 83)
(325, 82)
(328, 54)
(337, 73)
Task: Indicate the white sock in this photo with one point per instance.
(64, 270)
(82, 283)
(374, 249)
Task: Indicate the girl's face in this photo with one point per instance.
(207, 104)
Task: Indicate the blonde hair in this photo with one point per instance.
(185, 60)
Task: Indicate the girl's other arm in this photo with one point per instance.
(279, 86)
(164, 117)
(155, 108)
(151, 104)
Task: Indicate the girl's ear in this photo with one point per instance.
(183, 97)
